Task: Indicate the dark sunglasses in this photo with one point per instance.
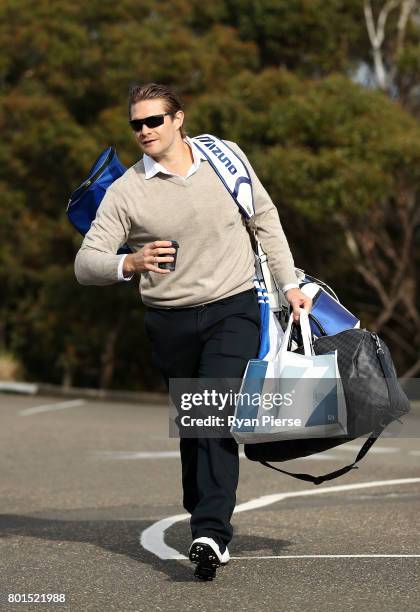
(151, 122)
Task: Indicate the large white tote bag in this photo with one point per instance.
(292, 395)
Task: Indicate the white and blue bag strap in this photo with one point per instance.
(230, 169)
(236, 178)
(234, 174)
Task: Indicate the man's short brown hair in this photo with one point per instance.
(155, 91)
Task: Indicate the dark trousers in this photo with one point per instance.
(211, 341)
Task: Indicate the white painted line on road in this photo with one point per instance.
(416, 453)
(379, 556)
(384, 450)
(129, 455)
(379, 450)
(321, 457)
(52, 407)
(153, 538)
(136, 454)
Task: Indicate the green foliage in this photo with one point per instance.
(319, 146)
(312, 37)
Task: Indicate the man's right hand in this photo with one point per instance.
(148, 258)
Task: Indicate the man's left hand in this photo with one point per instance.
(297, 299)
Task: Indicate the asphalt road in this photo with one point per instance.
(84, 483)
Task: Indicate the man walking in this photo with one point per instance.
(203, 317)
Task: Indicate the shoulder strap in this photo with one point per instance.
(234, 174)
(331, 475)
(231, 170)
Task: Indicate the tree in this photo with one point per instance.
(386, 70)
(275, 75)
(63, 85)
(346, 159)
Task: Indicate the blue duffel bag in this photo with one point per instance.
(328, 316)
(85, 200)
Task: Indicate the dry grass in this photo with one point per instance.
(10, 367)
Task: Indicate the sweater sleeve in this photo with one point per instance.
(270, 233)
(96, 262)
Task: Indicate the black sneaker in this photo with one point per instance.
(205, 553)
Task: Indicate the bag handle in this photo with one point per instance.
(305, 328)
(306, 333)
(287, 336)
(317, 480)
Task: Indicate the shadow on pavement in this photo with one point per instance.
(122, 538)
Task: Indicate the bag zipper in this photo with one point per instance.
(91, 180)
(376, 340)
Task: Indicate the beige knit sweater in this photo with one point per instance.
(215, 258)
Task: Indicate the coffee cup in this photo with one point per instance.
(170, 265)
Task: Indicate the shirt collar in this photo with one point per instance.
(152, 167)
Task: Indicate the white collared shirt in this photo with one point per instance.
(152, 167)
